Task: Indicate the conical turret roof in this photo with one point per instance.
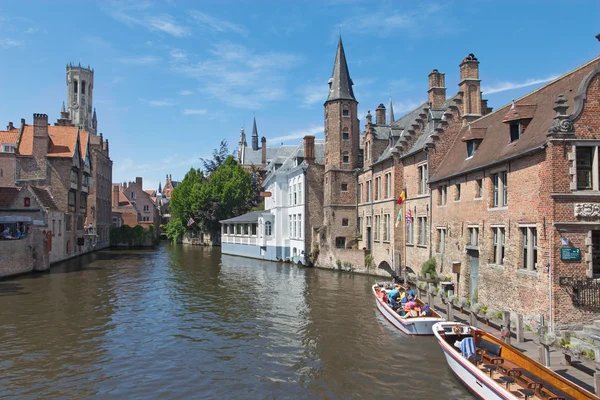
(340, 84)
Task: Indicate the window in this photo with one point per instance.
(498, 245)
(515, 131)
(268, 228)
(360, 192)
(291, 227)
(529, 239)
(295, 230)
(340, 242)
(146, 208)
(344, 221)
(441, 243)
(423, 179)
(386, 227)
(500, 189)
(369, 190)
(344, 187)
(474, 236)
(253, 229)
(83, 201)
(457, 192)
(377, 227)
(82, 87)
(9, 148)
(299, 226)
(74, 178)
(299, 192)
(388, 185)
(470, 148)
(585, 157)
(360, 225)
(378, 188)
(368, 151)
(345, 134)
(442, 193)
(422, 230)
(345, 158)
(68, 223)
(59, 227)
(345, 111)
(410, 234)
(478, 188)
(27, 202)
(291, 195)
(53, 227)
(75, 88)
(132, 195)
(71, 198)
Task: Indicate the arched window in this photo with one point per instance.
(345, 157)
(75, 86)
(345, 111)
(346, 134)
(82, 87)
(268, 231)
(368, 151)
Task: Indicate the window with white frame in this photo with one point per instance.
(299, 192)
(386, 227)
(346, 157)
(474, 236)
(478, 188)
(360, 192)
(369, 190)
(586, 161)
(291, 195)
(441, 242)
(295, 195)
(146, 208)
(500, 181)
(388, 185)
(345, 134)
(498, 237)
(367, 150)
(291, 227)
(268, 230)
(299, 226)
(442, 195)
(376, 228)
(345, 111)
(423, 179)
(295, 231)
(378, 188)
(529, 249)
(422, 230)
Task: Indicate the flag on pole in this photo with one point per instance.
(399, 218)
(402, 197)
(190, 222)
(408, 217)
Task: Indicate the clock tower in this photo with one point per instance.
(80, 86)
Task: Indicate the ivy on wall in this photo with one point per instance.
(133, 237)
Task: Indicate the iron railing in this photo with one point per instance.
(585, 292)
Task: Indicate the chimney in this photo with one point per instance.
(10, 126)
(470, 87)
(107, 153)
(437, 89)
(369, 118)
(40, 135)
(115, 196)
(309, 149)
(170, 177)
(138, 181)
(263, 142)
(124, 185)
(380, 114)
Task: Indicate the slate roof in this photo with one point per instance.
(287, 163)
(495, 146)
(8, 195)
(255, 156)
(246, 218)
(340, 84)
(44, 198)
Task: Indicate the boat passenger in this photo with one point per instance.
(393, 295)
(411, 303)
(426, 311)
(412, 293)
(412, 312)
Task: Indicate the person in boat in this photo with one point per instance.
(411, 312)
(426, 312)
(411, 303)
(412, 293)
(393, 295)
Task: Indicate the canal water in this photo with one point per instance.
(186, 322)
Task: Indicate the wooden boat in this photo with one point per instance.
(496, 370)
(410, 326)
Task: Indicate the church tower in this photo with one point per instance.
(80, 86)
(341, 154)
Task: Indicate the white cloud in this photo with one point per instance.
(312, 131)
(6, 43)
(504, 86)
(158, 103)
(217, 24)
(136, 13)
(185, 93)
(240, 77)
(167, 24)
(178, 55)
(31, 30)
(139, 60)
(195, 111)
(313, 94)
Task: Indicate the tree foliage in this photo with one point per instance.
(219, 157)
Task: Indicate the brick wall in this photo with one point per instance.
(314, 210)
(24, 255)
(7, 169)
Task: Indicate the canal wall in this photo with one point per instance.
(351, 260)
(24, 255)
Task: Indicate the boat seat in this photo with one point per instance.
(532, 388)
(508, 380)
(491, 348)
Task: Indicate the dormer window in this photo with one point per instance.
(515, 131)
(345, 111)
(470, 148)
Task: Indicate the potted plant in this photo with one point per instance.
(428, 268)
(460, 302)
(434, 290)
(576, 349)
(490, 313)
(475, 308)
(548, 338)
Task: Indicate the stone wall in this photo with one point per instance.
(7, 169)
(24, 255)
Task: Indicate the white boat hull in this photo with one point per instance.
(472, 377)
(410, 326)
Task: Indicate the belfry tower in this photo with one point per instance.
(341, 154)
(80, 86)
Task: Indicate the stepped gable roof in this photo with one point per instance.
(246, 218)
(45, 198)
(495, 146)
(340, 84)
(10, 136)
(8, 195)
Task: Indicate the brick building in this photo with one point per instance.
(515, 203)
(136, 206)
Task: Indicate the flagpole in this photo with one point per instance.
(405, 237)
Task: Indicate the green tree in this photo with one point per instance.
(181, 206)
(219, 157)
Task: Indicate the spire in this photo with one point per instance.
(242, 138)
(62, 110)
(340, 84)
(159, 187)
(391, 112)
(94, 120)
(254, 136)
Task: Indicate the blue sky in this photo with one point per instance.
(173, 78)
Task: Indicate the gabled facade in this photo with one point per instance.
(525, 232)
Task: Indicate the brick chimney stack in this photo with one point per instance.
(470, 87)
(309, 149)
(40, 135)
(10, 126)
(437, 88)
(263, 143)
(115, 196)
(380, 114)
(138, 181)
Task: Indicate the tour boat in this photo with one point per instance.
(410, 326)
(492, 369)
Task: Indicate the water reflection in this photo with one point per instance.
(186, 322)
